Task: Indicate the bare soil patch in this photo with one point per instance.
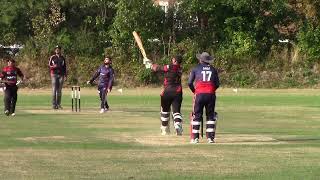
(173, 140)
(45, 138)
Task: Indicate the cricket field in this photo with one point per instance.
(261, 134)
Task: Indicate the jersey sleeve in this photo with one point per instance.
(111, 78)
(158, 68)
(96, 74)
(2, 74)
(20, 74)
(191, 80)
(216, 80)
(50, 63)
(64, 67)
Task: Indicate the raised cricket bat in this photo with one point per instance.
(140, 45)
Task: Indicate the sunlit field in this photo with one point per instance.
(261, 134)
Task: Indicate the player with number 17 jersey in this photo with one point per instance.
(203, 82)
(206, 79)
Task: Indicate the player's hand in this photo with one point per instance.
(146, 61)
(19, 82)
(88, 82)
(108, 90)
(148, 65)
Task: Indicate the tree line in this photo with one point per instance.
(258, 43)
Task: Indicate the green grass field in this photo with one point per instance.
(261, 134)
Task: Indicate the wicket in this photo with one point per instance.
(75, 98)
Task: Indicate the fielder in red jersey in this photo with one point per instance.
(58, 74)
(9, 76)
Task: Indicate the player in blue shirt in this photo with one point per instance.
(203, 82)
(106, 77)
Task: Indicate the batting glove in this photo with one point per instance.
(146, 61)
(148, 65)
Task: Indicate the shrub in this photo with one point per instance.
(309, 40)
(241, 45)
(146, 76)
(243, 78)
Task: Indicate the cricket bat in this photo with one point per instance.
(140, 45)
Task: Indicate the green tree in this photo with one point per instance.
(141, 16)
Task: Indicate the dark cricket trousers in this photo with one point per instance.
(10, 98)
(57, 83)
(103, 97)
(207, 101)
(173, 99)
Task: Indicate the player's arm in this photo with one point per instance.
(215, 79)
(2, 74)
(64, 68)
(96, 74)
(191, 80)
(158, 68)
(155, 67)
(111, 79)
(51, 64)
(20, 74)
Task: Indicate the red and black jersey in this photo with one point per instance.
(9, 75)
(57, 65)
(172, 77)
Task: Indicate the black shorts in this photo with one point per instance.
(169, 99)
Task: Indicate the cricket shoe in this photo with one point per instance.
(178, 127)
(165, 130)
(102, 111)
(6, 112)
(13, 114)
(194, 141)
(59, 107)
(211, 140)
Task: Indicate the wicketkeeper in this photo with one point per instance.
(9, 76)
(106, 77)
(171, 95)
(203, 82)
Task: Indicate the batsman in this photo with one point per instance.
(203, 82)
(171, 94)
